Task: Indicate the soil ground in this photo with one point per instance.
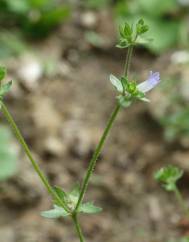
(62, 121)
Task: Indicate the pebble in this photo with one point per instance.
(88, 20)
(30, 71)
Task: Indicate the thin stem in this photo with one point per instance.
(128, 60)
(78, 227)
(99, 147)
(36, 167)
(96, 154)
(181, 201)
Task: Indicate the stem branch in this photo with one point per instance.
(96, 154)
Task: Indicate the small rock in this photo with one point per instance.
(180, 57)
(155, 209)
(79, 138)
(30, 72)
(54, 146)
(88, 20)
(45, 116)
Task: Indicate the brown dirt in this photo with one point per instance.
(62, 121)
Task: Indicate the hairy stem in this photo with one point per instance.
(78, 227)
(96, 154)
(100, 145)
(36, 167)
(128, 60)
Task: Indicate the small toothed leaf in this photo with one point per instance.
(122, 44)
(89, 208)
(121, 31)
(128, 31)
(169, 176)
(60, 192)
(57, 212)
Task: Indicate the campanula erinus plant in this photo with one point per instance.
(70, 204)
(168, 176)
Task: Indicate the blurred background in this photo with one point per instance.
(59, 55)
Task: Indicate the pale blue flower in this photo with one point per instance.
(151, 82)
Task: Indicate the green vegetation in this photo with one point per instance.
(167, 20)
(168, 176)
(36, 18)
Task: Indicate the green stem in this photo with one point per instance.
(128, 60)
(181, 201)
(36, 167)
(77, 227)
(99, 147)
(95, 156)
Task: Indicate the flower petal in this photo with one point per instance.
(151, 82)
(116, 83)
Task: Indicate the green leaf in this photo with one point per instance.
(169, 175)
(57, 212)
(122, 44)
(141, 28)
(141, 21)
(116, 83)
(157, 29)
(2, 73)
(60, 192)
(128, 31)
(89, 208)
(5, 88)
(121, 31)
